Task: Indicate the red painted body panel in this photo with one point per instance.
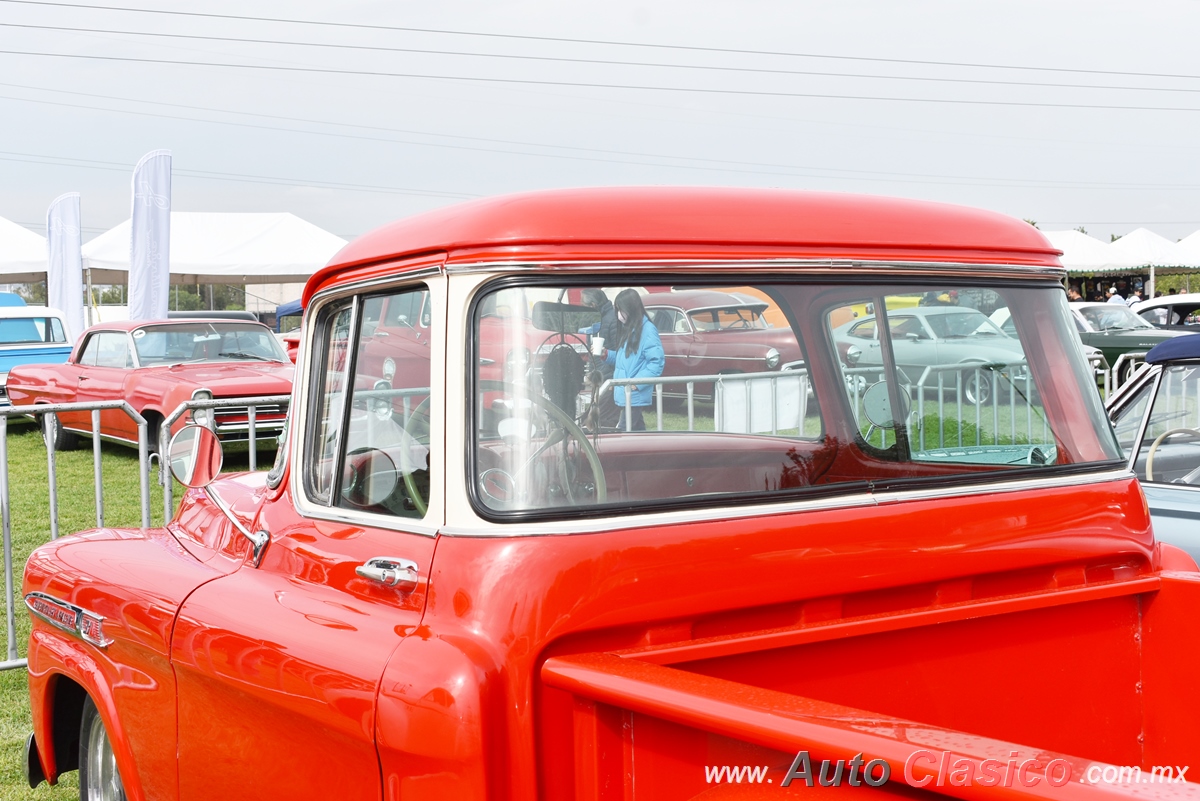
(643, 222)
(303, 642)
(136, 581)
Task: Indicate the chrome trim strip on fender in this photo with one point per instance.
(849, 501)
(74, 620)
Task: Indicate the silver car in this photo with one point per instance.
(938, 348)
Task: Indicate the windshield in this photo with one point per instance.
(578, 405)
(1113, 317)
(206, 342)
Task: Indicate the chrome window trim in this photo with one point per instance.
(301, 409)
(625, 521)
(974, 270)
(1155, 377)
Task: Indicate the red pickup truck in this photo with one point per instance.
(840, 577)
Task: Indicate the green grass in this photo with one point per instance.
(30, 508)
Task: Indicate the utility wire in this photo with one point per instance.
(112, 166)
(588, 85)
(66, 161)
(603, 42)
(692, 162)
(604, 62)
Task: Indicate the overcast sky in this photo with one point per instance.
(1068, 113)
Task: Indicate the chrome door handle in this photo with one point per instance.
(390, 570)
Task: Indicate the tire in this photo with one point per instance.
(153, 424)
(977, 388)
(53, 432)
(99, 778)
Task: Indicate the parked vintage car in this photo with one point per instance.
(931, 341)
(1003, 318)
(1171, 311)
(1115, 329)
(156, 366)
(478, 600)
(30, 335)
(710, 333)
(1157, 419)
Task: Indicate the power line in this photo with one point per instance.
(604, 62)
(66, 161)
(588, 85)
(695, 162)
(603, 42)
(734, 166)
(111, 166)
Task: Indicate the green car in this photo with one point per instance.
(1116, 329)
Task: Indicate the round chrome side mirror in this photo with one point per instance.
(195, 456)
(878, 407)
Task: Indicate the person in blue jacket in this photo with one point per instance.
(638, 354)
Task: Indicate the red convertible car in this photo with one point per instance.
(156, 366)
(469, 597)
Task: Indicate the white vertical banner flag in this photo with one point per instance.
(150, 248)
(64, 274)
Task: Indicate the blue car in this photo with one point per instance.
(1157, 420)
(30, 335)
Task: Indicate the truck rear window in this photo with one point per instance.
(577, 407)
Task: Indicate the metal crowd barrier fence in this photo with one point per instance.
(40, 412)
(164, 433)
(53, 409)
(722, 384)
(1099, 367)
(1020, 394)
(1126, 367)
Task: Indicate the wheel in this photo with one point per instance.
(54, 434)
(977, 388)
(99, 778)
(567, 431)
(1159, 441)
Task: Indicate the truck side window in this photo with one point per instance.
(369, 443)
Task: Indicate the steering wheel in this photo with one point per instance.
(739, 323)
(419, 432)
(569, 429)
(562, 338)
(1159, 441)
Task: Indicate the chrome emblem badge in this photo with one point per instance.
(87, 626)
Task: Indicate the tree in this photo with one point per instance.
(1031, 222)
(1082, 230)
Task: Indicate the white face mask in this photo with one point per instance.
(620, 317)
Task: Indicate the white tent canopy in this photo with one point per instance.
(22, 253)
(233, 248)
(1148, 249)
(1189, 246)
(1085, 254)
